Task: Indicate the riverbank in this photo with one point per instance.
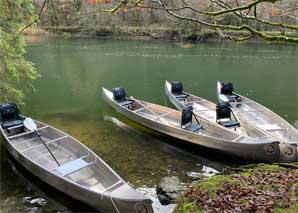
(143, 33)
(258, 188)
(36, 34)
(133, 33)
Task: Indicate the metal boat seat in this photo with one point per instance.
(233, 97)
(181, 97)
(270, 127)
(193, 127)
(72, 166)
(229, 123)
(10, 117)
(12, 124)
(223, 115)
(126, 103)
(186, 120)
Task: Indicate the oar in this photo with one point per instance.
(31, 125)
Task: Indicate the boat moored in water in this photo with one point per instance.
(201, 132)
(66, 164)
(210, 112)
(257, 115)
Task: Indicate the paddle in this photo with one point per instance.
(31, 125)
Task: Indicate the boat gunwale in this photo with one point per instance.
(266, 136)
(265, 109)
(64, 178)
(253, 141)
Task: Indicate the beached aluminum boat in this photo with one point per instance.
(257, 115)
(207, 110)
(79, 173)
(179, 125)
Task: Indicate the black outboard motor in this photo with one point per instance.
(119, 94)
(186, 120)
(177, 88)
(10, 116)
(227, 88)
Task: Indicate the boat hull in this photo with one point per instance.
(261, 151)
(287, 152)
(265, 120)
(101, 202)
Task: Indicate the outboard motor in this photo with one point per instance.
(10, 116)
(177, 88)
(177, 91)
(227, 88)
(119, 94)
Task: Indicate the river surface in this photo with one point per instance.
(68, 97)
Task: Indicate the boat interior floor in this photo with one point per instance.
(172, 118)
(262, 119)
(76, 162)
(207, 111)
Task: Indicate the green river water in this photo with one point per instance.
(68, 97)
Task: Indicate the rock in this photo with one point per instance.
(196, 176)
(169, 189)
(26, 199)
(208, 171)
(38, 202)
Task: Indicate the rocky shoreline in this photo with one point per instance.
(252, 188)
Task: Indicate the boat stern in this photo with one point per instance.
(126, 199)
(220, 97)
(288, 152)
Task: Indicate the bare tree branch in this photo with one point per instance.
(34, 21)
(232, 27)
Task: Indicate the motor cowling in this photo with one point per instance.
(119, 94)
(177, 87)
(9, 112)
(227, 88)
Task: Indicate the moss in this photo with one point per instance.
(246, 180)
(269, 168)
(291, 209)
(245, 174)
(213, 184)
(187, 207)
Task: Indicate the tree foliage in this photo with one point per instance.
(16, 73)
